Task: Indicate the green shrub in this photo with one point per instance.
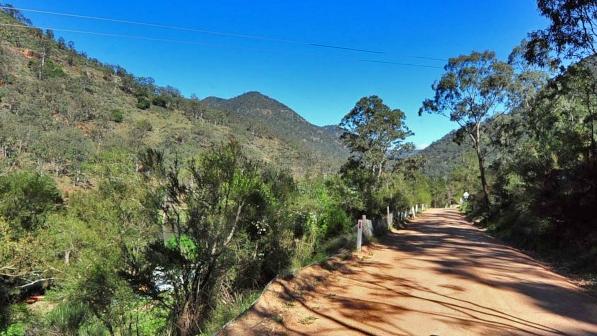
(15, 329)
(26, 198)
(160, 101)
(67, 318)
(225, 312)
(117, 116)
(143, 126)
(143, 103)
(52, 70)
(335, 221)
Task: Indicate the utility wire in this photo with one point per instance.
(404, 64)
(196, 30)
(137, 37)
(146, 38)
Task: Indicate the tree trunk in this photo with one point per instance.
(186, 324)
(482, 175)
(42, 63)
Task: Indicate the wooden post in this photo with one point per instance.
(360, 224)
(388, 218)
(412, 211)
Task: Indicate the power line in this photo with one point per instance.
(146, 38)
(404, 64)
(196, 30)
(430, 58)
(137, 37)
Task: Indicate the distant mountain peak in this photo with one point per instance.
(255, 94)
(258, 99)
(273, 117)
(254, 103)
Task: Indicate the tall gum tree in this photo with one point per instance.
(371, 130)
(470, 92)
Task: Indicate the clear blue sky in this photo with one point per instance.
(320, 84)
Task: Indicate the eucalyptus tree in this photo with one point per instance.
(470, 92)
(374, 133)
(372, 130)
(572, 36)
(572, 32)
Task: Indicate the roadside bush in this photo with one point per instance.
(26, 198)
(117, 116)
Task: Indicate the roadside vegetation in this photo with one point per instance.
(137, 211)
(536, 173)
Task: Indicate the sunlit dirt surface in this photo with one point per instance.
(441, 276)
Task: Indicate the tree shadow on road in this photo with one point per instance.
(448, 246)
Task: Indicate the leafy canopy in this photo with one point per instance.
(572, 32)
(26, 197)
(471, 89)
(371, 130)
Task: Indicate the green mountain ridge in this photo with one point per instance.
(443, 155)
(73, 116)
(261, 112)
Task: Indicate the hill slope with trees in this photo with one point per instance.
(62, 111)
(264, 115)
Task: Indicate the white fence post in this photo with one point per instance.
(360, 224)
(389, 218)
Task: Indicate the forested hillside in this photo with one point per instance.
(443, 156)
(65, 113)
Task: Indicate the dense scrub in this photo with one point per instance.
(166, 249)
(546, 188)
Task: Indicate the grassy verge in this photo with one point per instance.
(227, 312)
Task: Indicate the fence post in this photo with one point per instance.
(388, 218)
(412, 211)
(360, 224)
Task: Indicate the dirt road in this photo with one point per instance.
(441, 276)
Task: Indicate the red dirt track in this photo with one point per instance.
(441, 276)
